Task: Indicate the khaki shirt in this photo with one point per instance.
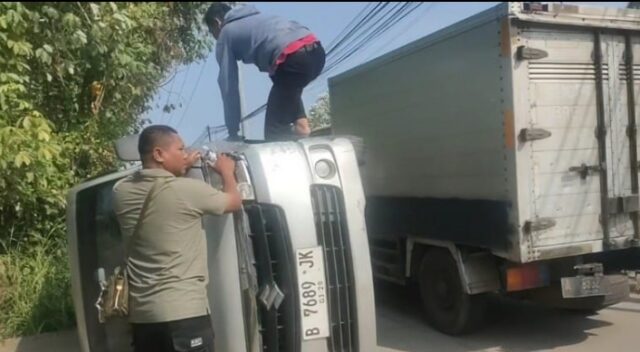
(167, 264)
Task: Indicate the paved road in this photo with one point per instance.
(516, 327)
(65, 341)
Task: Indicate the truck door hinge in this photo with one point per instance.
(584, 170)
(538, 224)
(623, 205)
(601, 133)
(532, 134)
(526, 53)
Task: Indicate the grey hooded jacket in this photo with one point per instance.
(254, 38)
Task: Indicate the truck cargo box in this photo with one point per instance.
(513, 130)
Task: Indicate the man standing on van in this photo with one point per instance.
(167, 258)
(291, 54)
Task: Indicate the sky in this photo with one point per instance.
(194, 89)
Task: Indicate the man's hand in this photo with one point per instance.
(192, 158)
(302, 127)
(225, 166)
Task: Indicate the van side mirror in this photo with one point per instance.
(127, 148)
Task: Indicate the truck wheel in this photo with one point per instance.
(447, 307)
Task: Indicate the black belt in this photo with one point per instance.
(310, 47)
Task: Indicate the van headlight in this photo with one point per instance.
(246, 191)
(245, 188)
(325, 168)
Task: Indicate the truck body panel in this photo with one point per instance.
(506, 131)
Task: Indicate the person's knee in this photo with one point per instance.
(275, 131)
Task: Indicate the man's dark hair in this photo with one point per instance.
(216, 10)
(151, 137)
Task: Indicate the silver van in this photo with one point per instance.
(291, 272)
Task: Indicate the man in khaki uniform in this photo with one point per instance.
(167, 263)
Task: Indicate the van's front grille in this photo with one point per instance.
(333, 235)
(274, 264)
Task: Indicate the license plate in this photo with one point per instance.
(312, 293)
(583, 286)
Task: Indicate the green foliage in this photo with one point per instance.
(74, 77)
(320, 113)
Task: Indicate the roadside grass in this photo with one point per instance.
(35, 288)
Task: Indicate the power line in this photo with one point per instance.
(366, 27)
(180, 94)
(365, 20)
(406, 28)
(391, 21)
(317, 88)
(175, 72)
(367, 39)
(387, 23)
(166, 103)
(358, 17)
(193, 92)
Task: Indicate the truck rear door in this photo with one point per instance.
(585, 173)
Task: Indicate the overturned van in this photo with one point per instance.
(303, 207)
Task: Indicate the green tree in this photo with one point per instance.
(320, 113)
(73, 78)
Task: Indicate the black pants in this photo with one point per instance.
(192, 334)
(285, 105)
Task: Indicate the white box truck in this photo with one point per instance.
(501, 155)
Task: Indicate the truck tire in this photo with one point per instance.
(446, 306)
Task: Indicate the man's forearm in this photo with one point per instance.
(230, 187)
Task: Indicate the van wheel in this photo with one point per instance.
(446, 306)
